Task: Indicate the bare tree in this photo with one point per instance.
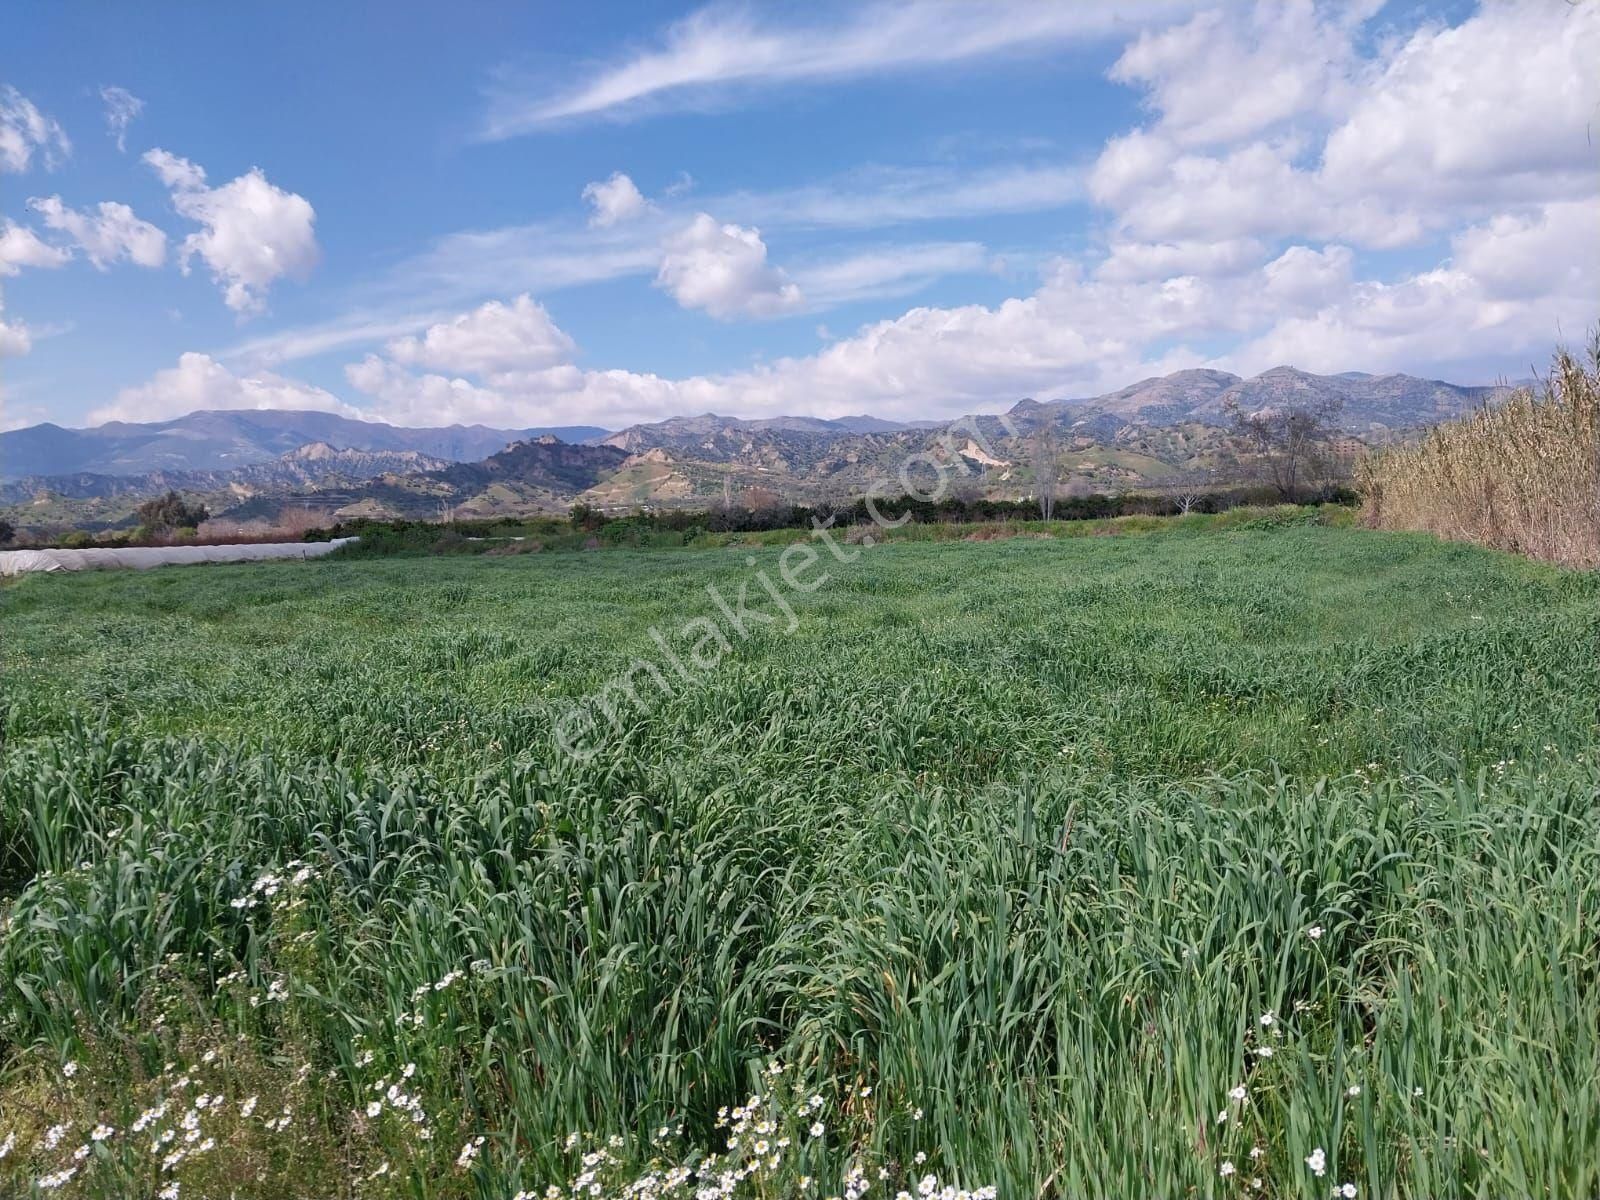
(1046, 455)
(1289, 442)
(1190, 487)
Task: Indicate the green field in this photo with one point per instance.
(1021, 855)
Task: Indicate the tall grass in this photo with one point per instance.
(1523, 477)
(1097, 869)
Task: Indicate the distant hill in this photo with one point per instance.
(251, 466)
(221, 440)
(543, 474)
(1370, 402)
(313, 464)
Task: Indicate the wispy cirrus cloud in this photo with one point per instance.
(715, 49)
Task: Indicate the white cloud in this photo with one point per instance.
(200, 382)
(1553, 252)
(715, 48)
(887, 271)
(1499, 108)
(1134, 262)
(493, 337)
(429, 399)
(1305, 139)
(22, 247)
(107, 236)
(1305, 278)
(122, 107)
(1513, 284)
(723, 269)
(613, 200)
(24, 131)
(253, 233)
(878, 197)
(1254, 190)
(15, 337)
(1221, 77)
(308, 341)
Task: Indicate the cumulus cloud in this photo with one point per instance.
(613, 200)
(22, 247)
(1499, 108)
(122, 107)
(252, 232)
(25, 131)
(1478, 298)
(1133, 262)
(493, 337)
(723, 269)
(1305, 278)
(1220, 77)
(1274, 126)
(198, 381)
(108, 235)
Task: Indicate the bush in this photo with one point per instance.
(169, 512)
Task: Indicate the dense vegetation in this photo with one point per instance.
(1523, 477)
(1109, 867)
(884, 519)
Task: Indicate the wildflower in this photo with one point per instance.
(927, 1185)
(52, 1136)
(1353, 1090)
(1317, 1161)
(1222, 1117)
(1267, 1019)
(816, 1129)
(374, 1108)
(1348, 1191)
(1264, 1052)
(170, 1192)
(81, 1153)
(1237, 1093)
(1416, 1091)
(248, 1107)
(920, 1158)
(1225, 1169)
(51, 1182)
(1256, 1152)
(917, 1116)
(101, 1132)
(69, 1069)
(469, 1152)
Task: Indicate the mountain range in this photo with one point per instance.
(219, 440)
(250, 466)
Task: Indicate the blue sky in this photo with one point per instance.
(554, 214)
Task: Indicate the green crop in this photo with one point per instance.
(1259, 862)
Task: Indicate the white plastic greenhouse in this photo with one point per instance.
(19, 562)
